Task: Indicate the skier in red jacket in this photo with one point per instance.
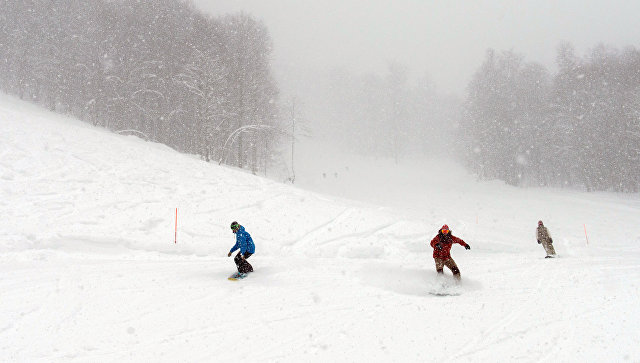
(441, 251)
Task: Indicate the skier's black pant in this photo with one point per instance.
(242, 264)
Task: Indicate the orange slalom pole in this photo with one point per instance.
(585, 233)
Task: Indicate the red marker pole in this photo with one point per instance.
(585, 233)
(175, 238)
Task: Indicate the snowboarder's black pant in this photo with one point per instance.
(242, 264)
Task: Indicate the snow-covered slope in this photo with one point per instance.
(90, 271)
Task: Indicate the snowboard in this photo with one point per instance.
(445, 286)
(237, 276)
(440, 293)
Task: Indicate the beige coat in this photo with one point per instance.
(544, 238)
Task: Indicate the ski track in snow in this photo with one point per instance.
(89, 270)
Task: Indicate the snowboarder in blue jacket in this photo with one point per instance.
(244, 242)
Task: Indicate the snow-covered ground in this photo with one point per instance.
(89, 270)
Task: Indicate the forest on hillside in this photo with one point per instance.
(205, 85)
(579, 127)
(161, 70)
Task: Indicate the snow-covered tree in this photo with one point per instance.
(578, 128)
(159, 69)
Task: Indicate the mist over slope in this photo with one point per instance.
(90, 271)
(437, 190)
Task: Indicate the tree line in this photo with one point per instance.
(579, 127)
(161, 69)
(388, 115)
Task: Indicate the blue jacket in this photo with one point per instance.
(244, 242)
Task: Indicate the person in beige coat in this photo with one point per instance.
(544, 238)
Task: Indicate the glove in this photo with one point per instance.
(229, 255)
(539, 242)
(467, 247)
(438, 246)
(550, 240)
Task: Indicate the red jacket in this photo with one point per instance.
(446, 241)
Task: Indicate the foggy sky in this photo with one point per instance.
(445, 39)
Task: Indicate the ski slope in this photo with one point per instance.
(89, 270)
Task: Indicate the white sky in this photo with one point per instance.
(446, 39)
